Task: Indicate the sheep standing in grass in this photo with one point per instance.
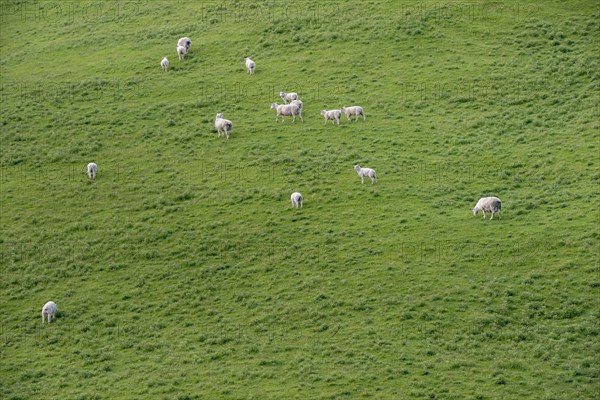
(333, 115)
(185, 42)
(355, 110)
(223, 125)
(181, 52)
(489, 204)
(296, 200)
(92, 169)
(164, 64)
(250, 65)
(299, 104)
(288, 97)
(362, 172)
(49, 311)
(286, 110)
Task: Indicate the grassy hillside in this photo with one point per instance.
(182, 272)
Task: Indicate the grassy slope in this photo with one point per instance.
(182, 271)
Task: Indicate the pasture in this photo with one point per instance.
(183, 272)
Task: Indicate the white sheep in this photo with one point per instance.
(250, 65)
(223, 125)
(354, 110)
(299, 104)
(296, 199)
(489, 204)
(185, 42)
(92, 169)
(286, 110)
(164, 64)
(181, 52)
(49, 311)
(362, 172)
(288, 97)
(333, 115)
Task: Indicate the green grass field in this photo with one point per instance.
(182, 272)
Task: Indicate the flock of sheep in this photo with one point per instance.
(292, 107)
(183, 46)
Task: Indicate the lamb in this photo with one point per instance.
(288, 97)
(490, 204)
(362, 172)
(185, 42)
(354, 110)
(296, 199)
(331, 115)
(181, 52)
(250, 65)
(223, 125)
(286, 110)
(164, 64)
(92, 169)
(49, 311)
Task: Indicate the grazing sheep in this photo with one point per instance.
(250, 65)
(331, 115)
(92, 169)
(490, 204)
(362, 172)
(164, 64)
(296, 199)
(286, 110)
(288, 97)
(223, 125)
(181, 52)
(355, 110)
(48, 311)
(185, 42)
